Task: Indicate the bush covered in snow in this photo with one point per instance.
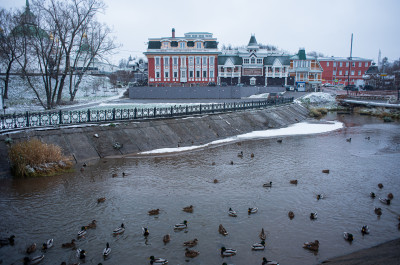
(318, 100)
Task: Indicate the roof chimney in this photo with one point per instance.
(173, 32)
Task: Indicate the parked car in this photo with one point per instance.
(351, 88)
(289, 88)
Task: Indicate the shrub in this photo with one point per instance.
(35, 158)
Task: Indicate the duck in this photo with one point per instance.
(232, 212)
(279, 141)
(191, 253)
(216, 181)
(69, 245)
(119, 230)
(48, 244)
(222, 230)
(154, 212)
(157, 261)
(349, 237)
(348, 139)
(80, 253)
(166, 238)
(313, 216)
(390, 196)
(240, 154)
(258, 246)
(313, 246)
(380, 185)
(91, 225)
(145, 231)
(252, 210)
(252, 155)
(181, 225)
(294, 181)
(326, 171)
(384, 201)
(365, 230)
(378, 211)
(31, 248)
(107, 250)
(372, 194)
(190, 243)
(231, 162)
(82, 232)
(267, 185)
(320, 196)
(262, 234)
(102, 199)
(291, 215)
(114, 175)
(34, 260)
(124, 174)
(188, 209)
(7, 241)
(227, 252)
(269, 262)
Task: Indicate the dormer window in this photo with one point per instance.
(182, 45)
(253, 60)
(198, 45)
(165, 45)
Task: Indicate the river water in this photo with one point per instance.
(35, 210)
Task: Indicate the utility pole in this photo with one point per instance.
(348, 74)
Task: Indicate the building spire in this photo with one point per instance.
(27, 4)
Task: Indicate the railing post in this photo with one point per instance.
(172, 111)
(135, 113)
(27, 119)
(88, 115)
(212, 107)
(200, 108)
(154, 112)
(60, 117)
(234, 106)
(224, 107)
(187, 110)
(113, 114)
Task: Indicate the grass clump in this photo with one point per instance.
(318, 112)
(33, 158)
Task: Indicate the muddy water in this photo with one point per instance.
(35, 210)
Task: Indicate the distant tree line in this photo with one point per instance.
(390, 68)
(48, 40)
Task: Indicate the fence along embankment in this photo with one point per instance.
(130, 137)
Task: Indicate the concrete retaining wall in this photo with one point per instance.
(153, 134)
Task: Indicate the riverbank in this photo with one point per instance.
(387, 253)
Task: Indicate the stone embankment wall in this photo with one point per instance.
(145, 135)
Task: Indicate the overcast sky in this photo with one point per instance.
(317, 25)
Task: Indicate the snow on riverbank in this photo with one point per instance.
(301, 128)
(319, 99)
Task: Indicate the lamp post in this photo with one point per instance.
(348, 74)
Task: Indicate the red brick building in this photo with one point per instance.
(183, 61)
(337, 70)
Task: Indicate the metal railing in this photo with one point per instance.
(59, 118)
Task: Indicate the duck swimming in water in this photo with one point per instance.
(107, 250)
(252, 210)
(232, 212)
(349, 237)
(313, 246)
(227, 252)
(291, 215)
(166, 238)
(80, 253)
(372, 194)
(157, 261)
(92, 225)
(119, 230)
(181, 225)
(48, 244)
(222, 230)
(262, 234)
(154, 212)
(190, 253)
(365, 230)
(69, 245)
(188, 209)
(267, 185)
(190, 243)
(145, 231)
(313, 216)
(269, 262)
(7, 241)
(31, 248)
(258, 246)
(34, 260)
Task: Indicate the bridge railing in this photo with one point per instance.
(58, 118)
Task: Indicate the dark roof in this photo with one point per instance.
(210, 44)
(235, 59)
(302, 54)
(285, 59)
(154, 45)
(253, 41)
(372, 70)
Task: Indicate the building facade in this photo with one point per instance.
(306, 71)
(340, 70)
(182, 61)
(253, 66)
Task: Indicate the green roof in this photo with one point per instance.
(235, 59)
(253, 41)
(284, 59)
(302, 54)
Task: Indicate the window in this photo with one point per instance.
(211, 61)
(204, 60)
(157, 74)
(253, 60)
(259, 61)
(334, 64)
(157, 61)
(197, 74)
(198, 58)
(183, 61)
(182, 45)
(191, 74)
(166, 61)
(165, 45)
(359, 64)
(334, 72)
(340, 64)
(347, 64)
(366, 64)
(352, 72)
(183, 74)
(198, 45)
(175, 74)
(204, 74)
(327, 63)
(191, 60)
(347, 73)
(166, 74)
(211, 74)
(353, 64)
(246, 61)
(359, 72)
(340, 72)
(175, 59)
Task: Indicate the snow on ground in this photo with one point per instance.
(264, 95)
(319, 99)
(301, 128)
